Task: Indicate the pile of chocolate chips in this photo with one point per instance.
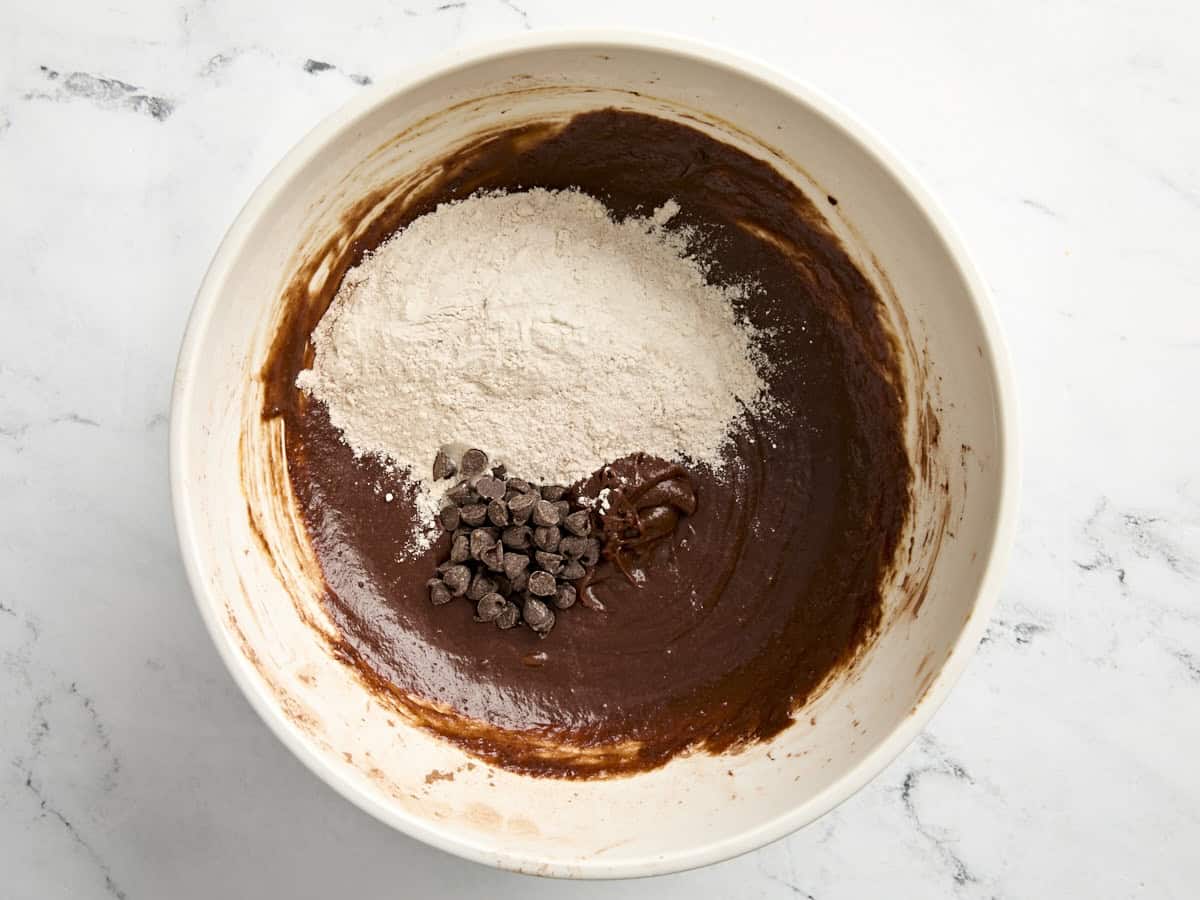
(516, 549)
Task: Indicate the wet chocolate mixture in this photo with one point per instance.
(773, 580)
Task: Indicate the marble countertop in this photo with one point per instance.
(1064, 140)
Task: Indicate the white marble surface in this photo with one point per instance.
(1064, 139)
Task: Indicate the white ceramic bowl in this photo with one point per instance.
(257, 592)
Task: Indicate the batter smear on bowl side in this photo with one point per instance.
(599, 445)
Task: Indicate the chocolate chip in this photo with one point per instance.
(517, 537)
(515, 564)
(461, 494)
(546, 537)
(519, 582)
(591, 555)
(572, 570)
(548, 562)
(553, 492)
(460, 549)
(521, 507)
(490, 488)
(458, 579)
(499, 470)
(480, 541)
(489, 607)
(545, 513)
(474, 462)
(493, 557)
(498, 513)
(509, 616)
(537, 615)
(474, 514)
(578, 523)
(442, 467)
(572, 546)
(541, 584)
(520, 485)
(563, 507)
(442, 567)
(564, 597)
(481, 584)
(451, 516)
(438, 592)
(503, 585)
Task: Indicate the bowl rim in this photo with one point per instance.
(996, 355)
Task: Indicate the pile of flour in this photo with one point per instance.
(535, 327)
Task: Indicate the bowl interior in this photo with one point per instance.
(256, 585)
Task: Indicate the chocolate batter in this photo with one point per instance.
(770, 584)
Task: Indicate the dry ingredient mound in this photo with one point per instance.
(534, 325)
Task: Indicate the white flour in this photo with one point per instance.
(535, 327)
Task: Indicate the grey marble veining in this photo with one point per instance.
(1064, 140)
